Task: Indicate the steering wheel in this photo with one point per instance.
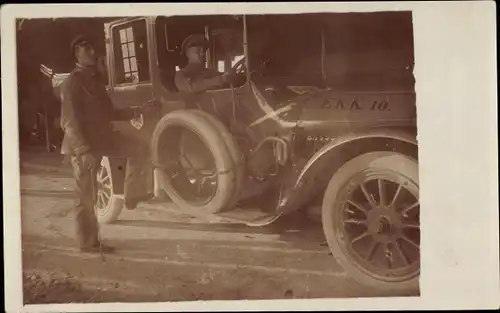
(240, 67)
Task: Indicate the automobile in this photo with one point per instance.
(321, 116)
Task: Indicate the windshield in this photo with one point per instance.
(306, 49)
(224, 31)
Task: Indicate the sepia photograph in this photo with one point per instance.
(200, 157)
(218, 157)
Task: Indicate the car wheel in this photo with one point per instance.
(108, 205)
(371, 220)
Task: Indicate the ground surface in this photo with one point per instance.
(164, 254)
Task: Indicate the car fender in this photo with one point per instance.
(302, 187)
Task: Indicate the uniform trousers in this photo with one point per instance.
(137, 183)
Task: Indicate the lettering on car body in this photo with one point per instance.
(354, 105)
(320, 138)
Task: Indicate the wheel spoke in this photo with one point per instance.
(381, 191)
(105, 195)
(102, 173)
(355, 221)
(410, 242)
(415, 226)
(346, 209)
(107, 191)
(357, 206)
(368, 196)
(362, 236)
(372, 250)
(105, 180)
(100, 201)
(103, 200)
(395, 197)
(405, 211)
(388, 255)
(401, 253)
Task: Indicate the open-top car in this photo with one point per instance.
(320, 114)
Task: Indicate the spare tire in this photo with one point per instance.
(190, 148)
(233, 148)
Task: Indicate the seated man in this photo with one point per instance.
(195, 77)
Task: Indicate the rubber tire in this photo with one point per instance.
(212, 137)
(383, 160)
(116, 202)
(236, 154)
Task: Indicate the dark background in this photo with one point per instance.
(47, 41)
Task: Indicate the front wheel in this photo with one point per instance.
(371, 219)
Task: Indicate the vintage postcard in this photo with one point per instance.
(191, 156)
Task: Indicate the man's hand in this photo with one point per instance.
(137, 111)
(88, 160)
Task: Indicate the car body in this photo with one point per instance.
(302, 111)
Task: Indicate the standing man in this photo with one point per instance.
(86, 115)
(195, 77)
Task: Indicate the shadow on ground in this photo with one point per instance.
(44, 172)
(296, 228)
(64, 194)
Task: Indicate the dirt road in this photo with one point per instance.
(164, 254)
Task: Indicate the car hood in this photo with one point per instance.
(318, 106)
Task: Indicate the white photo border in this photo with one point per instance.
(455, 72)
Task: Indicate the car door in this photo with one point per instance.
(130, 82)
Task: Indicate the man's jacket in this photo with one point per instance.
(197, 78)
(87, 113)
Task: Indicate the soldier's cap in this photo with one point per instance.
(194, 40)
(80, 40)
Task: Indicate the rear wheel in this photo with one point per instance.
(198, 169)
(108, 205)
(371, 219)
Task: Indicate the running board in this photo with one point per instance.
(253, 217)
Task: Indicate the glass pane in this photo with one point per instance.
(131, 49)
(125, 51)
(123, 36)
(135, 75)
(221, 66)
(126, 65)
(130, 34)
(133, 64)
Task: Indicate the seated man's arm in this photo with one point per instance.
(190, 84)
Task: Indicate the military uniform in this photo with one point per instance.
(86, 115)
(196, 77)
